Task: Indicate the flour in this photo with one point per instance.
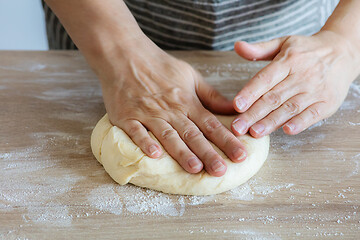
(40, 195)
(54, 215)
(37, 67)
(243, 192)
(251, 234)
(198, 200)
(104, 198)
(255, 188)
(355, 90)
(113, 198)
(64, 93)
(348, 105)
(318, 124)
(129, 199)
(354, 124)
(293, 143)
(27, 163)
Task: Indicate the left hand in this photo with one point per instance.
(306, 81)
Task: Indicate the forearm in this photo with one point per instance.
(100, 30)
(345, 21)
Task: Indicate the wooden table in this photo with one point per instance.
(51, 187)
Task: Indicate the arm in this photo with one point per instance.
(144, 88)
(307, 79)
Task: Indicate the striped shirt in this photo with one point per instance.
(213, 24)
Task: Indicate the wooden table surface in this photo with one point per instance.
(51, 186)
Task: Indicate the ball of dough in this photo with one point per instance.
(126, 163)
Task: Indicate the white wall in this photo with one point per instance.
(22, 25)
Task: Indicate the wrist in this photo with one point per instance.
(342, 45)
(348, 40)
(113, 59)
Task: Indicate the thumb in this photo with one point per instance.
(259, 51)
(213, 100)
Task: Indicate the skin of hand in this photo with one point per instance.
(154, 91)
(145, 88)
(306, 81)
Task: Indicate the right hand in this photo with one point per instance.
(144, 88)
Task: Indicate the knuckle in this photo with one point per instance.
(228, 139)
(211, 124)
(315, 112)
(292, 53)
(182, 154)
(134, 129)
(168, 133)
(230, 143)
(259, 76)
(144, 142)
(274, 122)
(191, 134)
(248, 92)
(272, 98)
(213, 94)
(292, 107)
(252, 116)
(209, 156)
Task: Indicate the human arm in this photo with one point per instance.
(307, 79)
(144, 88)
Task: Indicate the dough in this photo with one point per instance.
(126, 163)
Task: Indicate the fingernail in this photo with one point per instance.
(291, 126)
(240, 103)
(217, 166)
(240, 126)
(239, 154)
(153, 150)
(194, 163)
(258, 128)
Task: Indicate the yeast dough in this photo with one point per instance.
(126, 163)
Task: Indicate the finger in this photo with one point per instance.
(259, 51)
(136, 131)
(212, 99)
(265, 104)
(277, 118)
(305, 119)
(174, 145)
(217, 133)
(261, 83)
(195, 140)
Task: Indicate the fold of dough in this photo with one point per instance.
(126, 163)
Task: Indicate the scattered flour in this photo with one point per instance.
(256, 189)
(37, 67)
(243, 192)
(39, 193)
(113, 198)
(292, 143)
(49, 214)
(355, 90)
(354, 124)
(318, 124)
(65, 93)
(130, 199)
(198, 200)
(104, 198)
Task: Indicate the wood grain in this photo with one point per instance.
(52, 187)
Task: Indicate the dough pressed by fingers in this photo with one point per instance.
(126, 163)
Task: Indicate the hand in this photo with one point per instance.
(306, 81)
(147, 89)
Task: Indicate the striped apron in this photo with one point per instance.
(213, 24)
